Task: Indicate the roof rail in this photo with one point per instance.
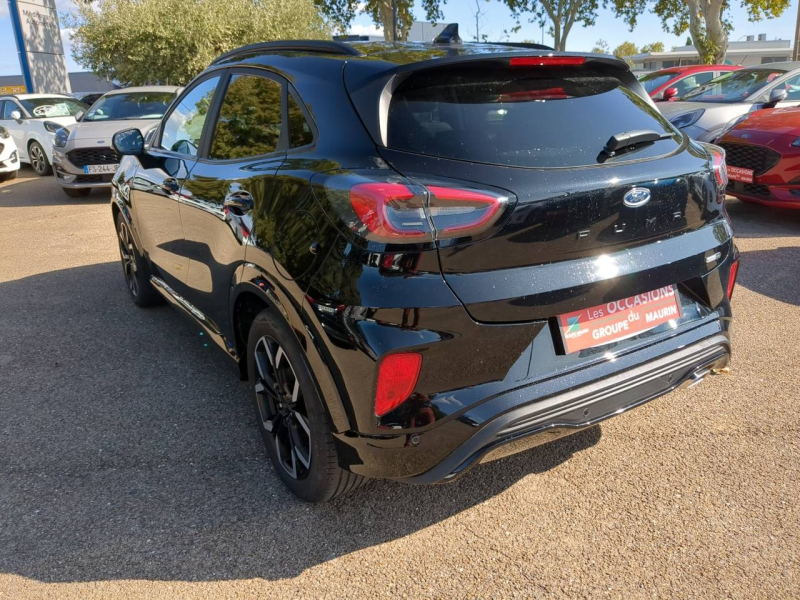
(318, 46)
(529, 45)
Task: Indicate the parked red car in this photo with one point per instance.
(763, 154)
(673, 82)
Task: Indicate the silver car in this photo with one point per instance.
(82, 154)
(707, 112)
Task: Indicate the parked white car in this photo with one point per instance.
(33, 119)
(9, 158)
(82, 154)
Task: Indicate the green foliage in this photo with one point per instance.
(562, 15)
(704, 19)
(625, 49)
(601, 47)
(170, 41)
(342, 12)
(654, 47)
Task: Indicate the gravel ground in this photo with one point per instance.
(130, 465)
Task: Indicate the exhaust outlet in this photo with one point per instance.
(696, 378)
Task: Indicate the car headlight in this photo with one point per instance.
(688, 118)
(4, 133)
(52, 127)
(733, 123)
(62, 135)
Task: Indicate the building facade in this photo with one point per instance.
(747, 53)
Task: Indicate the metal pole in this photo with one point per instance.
(796, 35)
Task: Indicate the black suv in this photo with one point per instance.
(422, 253)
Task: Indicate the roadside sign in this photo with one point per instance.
(12, 89)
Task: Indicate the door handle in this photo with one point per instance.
(238, 202)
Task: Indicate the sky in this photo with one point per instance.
(495, 21)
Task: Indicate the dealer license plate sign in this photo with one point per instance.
(618, 320)
(94, 169)
(740, 174)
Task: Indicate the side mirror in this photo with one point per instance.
(128, 142)
(16, 115)
(79, 115)
(775, 96)
(670, 93)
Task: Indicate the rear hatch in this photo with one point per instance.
(538, 129)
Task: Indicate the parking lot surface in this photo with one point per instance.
(131, 465)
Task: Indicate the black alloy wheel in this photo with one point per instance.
(281, 407)
(128, 257)
(135, 268)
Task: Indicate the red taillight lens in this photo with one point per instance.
(732, 275)
(720, 168)
(547, 61)
(390, 210)
(457, 211)
(396, 212)
(397, 377)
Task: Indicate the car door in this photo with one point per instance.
(16, 130)
(230, 182)
(156, 185)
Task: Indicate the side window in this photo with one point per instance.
(249, 119)
(7, 108)
(793, 89)
(2, 111)
(299, 130)
(184, 125)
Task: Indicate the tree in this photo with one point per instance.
(342, 12)
(654, 47)
(601, 47)
(702, 18)
(137, 42)
(562, 14)
(625, 50)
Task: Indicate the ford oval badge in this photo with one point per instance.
(636, 197)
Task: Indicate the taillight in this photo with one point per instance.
(396, 212)
(390, 210)
(397, 377)
(720, 168)
(732, 275)
(547, 61)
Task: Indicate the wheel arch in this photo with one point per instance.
(254, 290)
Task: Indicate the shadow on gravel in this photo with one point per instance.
(43, 191)
(129, 451)
(757, 221)
(772, 273)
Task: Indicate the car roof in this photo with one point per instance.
(787, 66)
(34, 96)
(395, 53)
(145, 88)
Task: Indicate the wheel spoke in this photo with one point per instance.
(300, 446)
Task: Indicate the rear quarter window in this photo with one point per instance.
(519, 117)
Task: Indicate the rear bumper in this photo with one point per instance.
(571, 411)
(537, 412)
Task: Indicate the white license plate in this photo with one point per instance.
(100, 168)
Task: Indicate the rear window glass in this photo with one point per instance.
(519, 117)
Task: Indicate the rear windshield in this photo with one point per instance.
(653, 81)
(734, 87)
(524, 117)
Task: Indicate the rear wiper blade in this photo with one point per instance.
(636, 137)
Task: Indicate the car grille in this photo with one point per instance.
(750, 189)
(748, 156)
(104, 178)
(93, 156)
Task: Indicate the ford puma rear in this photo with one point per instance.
(433, 254)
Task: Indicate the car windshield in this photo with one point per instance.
(653, 81)
(734, 87)
(134, 105)
(42, 108)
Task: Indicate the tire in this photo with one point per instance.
(135, 268)
(295, 427)
(38, 159)
(76, 192)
